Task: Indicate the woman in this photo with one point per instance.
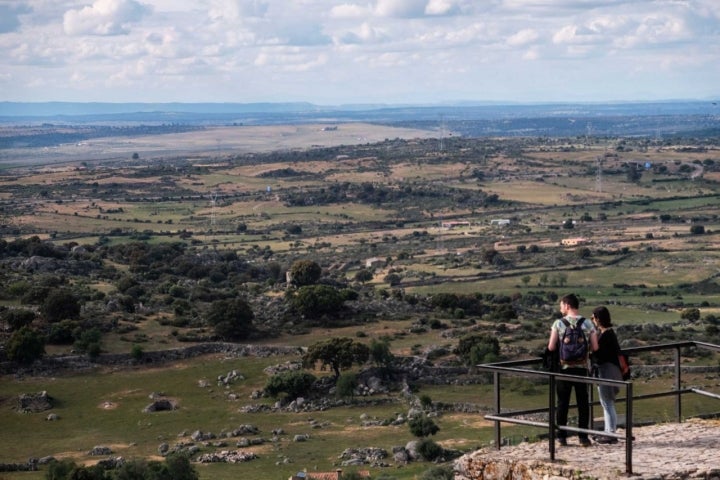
(608, 367)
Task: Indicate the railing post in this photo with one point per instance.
(496, 383)
(628, 428)
(678, 386)
(591, 396)
(551, 415)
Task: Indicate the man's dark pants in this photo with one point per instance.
(564, 389)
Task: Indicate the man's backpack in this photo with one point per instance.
(573, 345)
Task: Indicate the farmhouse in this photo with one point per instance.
(500, 222)
(573, 242)
(454, 224)
(374, 262)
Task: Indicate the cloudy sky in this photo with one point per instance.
(333, 52)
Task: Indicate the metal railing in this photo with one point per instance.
(515, 368)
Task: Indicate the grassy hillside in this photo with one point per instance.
(149, 245)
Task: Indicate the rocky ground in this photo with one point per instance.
(687, 450)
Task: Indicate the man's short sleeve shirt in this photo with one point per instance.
(587, 326)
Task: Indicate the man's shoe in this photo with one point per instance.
(585, 442)
(562, 442)
(606, 440)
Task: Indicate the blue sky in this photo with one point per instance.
(332, 52)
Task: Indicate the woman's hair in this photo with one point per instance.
(602, 315)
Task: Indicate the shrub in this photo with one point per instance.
(88, 341)
(380, 353)
(292, 384)
(62, 333)
(429, 450)
(439, 472)
(474, 349)
(18, 318)
(136, 353)
(314, 301)
(346, 385)
(425, 402)
(25, 346)
(423, 426)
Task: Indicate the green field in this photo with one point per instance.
(374, 209)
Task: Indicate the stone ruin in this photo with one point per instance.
(34, 402)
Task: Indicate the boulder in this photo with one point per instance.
(159, 405)
(100, 450)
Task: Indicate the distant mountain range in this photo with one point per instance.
(465, 118)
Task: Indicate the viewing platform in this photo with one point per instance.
(687, 450)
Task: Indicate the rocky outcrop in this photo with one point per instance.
(226, 456)
(668, 451)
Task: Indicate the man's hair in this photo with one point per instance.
(571, 300)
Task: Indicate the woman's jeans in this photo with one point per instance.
(607, 400)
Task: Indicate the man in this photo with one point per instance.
(569, 305)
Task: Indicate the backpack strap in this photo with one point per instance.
(578, 324)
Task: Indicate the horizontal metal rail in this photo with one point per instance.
(513, 368)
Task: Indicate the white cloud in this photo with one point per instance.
(576, 35)
(441, 7)
(523, 37)
(365, 33)
(104, 17)
(400, 8)
(234, 10)
(289, 60)
(279, 48)
(347, 10)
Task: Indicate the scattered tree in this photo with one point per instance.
(336, 353)
(691, 314)
(363, 275)
(25, 346)
(232, 319)
(314, 301)
(392, 279)
(305, 272)
(60, 304)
